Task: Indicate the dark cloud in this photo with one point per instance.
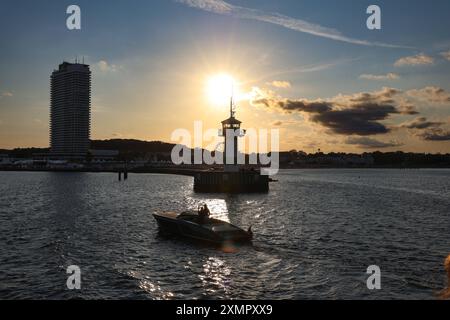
(408, 110)
(364, 114)
(277, 123)
(361, 119)
(428, 130)
(294, 105)
(435, 134)
(365, 142)
(421, 123)
(280, 123)
(305, 106)
(358, 114)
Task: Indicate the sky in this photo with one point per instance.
(311, 69)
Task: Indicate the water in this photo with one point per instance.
(316, 233)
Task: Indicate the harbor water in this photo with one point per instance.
(316, 233)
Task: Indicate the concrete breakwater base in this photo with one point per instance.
(230, 182)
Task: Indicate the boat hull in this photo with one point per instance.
(212, 231)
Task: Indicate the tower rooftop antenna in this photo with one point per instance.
(232, 105)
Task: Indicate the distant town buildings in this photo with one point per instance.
(303, 160)
(70, 111)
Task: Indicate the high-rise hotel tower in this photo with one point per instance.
(70, 111)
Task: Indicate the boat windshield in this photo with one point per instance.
(188, 215)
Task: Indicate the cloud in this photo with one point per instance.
(306, 106)
(104, 66)
(385, 95)
(435, 134)
(446, 55)
(358, 114)
(407, 109)
(280, 84)
(225, 8)
(361, 119)
(216, 6)
(363, 114)
(417, 60)
(365, 142)
(280, 123)
(306, 69)
(6, 94)
(421, 123)
(428, 130)
(277, 123)
(389, 76)
(430, 94)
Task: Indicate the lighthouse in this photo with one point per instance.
(233, 178)
(231, 131)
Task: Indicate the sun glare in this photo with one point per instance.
(220, 88)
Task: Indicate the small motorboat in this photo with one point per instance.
(199, 226)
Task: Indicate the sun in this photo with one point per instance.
(220, 88)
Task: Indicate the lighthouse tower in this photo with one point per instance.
(231, 131)
(232, 179)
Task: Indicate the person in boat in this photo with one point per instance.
(204, 213)
(250, 232)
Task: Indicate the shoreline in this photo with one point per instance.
(192, 172)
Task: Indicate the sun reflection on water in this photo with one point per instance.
(155, 290)
(216, 276)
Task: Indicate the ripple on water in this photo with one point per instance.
(316, 232)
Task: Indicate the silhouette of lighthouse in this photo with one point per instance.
(231, 131)
(233, 178)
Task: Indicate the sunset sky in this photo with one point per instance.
(310, 68)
